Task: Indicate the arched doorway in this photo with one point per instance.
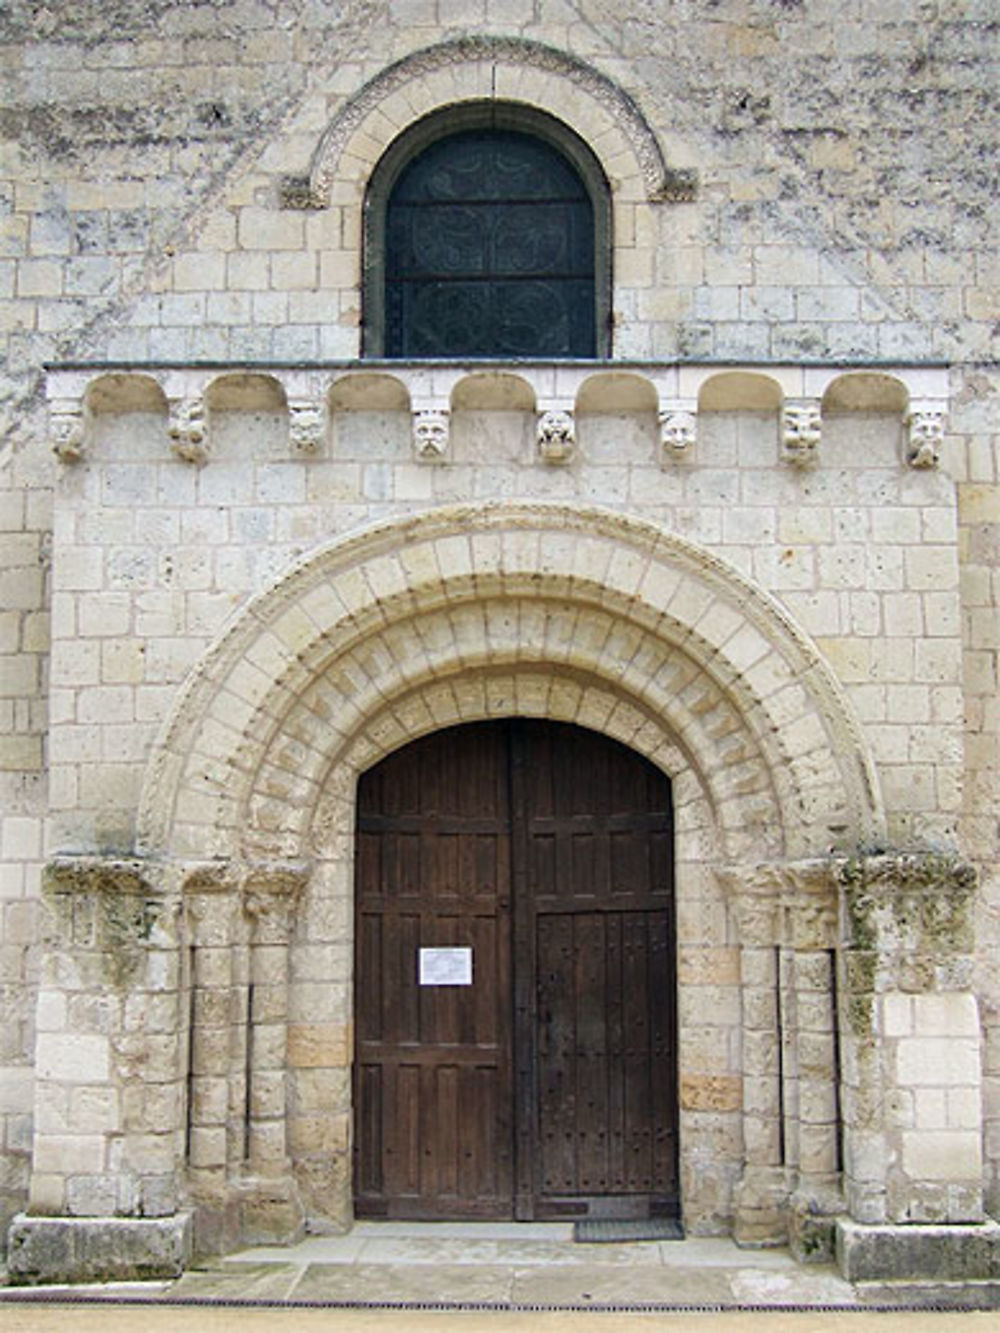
(515, 992)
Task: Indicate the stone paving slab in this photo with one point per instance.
(597, 1286)
(512, 1253)
(447, 1283)
(806, 1286)
(246, 1282)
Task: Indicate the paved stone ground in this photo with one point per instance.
(587, 1288)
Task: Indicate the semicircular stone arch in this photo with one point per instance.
(505, 68)
(473, 612)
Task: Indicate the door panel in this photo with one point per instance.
(548, 1086)
(432, 1068)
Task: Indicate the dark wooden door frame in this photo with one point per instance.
(520, 912)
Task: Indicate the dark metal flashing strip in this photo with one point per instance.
(29, 1297)
(491, 363)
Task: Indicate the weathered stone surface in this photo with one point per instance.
(99, 1249)
(906, 1253)
(811, 652)
(711, 1092)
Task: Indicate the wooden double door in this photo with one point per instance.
(515, 995)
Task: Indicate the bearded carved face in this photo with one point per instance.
(430, 434)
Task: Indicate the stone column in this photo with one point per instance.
(809, 932)
(271, 1209)
(786, 918)
(762, 1195)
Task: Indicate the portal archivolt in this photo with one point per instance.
(473, 612)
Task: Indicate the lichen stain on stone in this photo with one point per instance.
(108, 908)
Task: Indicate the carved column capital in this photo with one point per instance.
(792, 903)
(801, 428)
(270, 891)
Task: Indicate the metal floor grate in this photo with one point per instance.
(607, 1230)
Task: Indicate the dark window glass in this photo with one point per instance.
(489, 252)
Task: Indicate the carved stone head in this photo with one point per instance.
(430, 435)
(556, 436)
(801, 427)
(925, 435)
(187, 430)
(678, 431)
(68, 436)
(305, 427)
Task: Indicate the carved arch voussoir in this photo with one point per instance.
(660, 181)
(588, 594)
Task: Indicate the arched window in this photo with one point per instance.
(487, 232)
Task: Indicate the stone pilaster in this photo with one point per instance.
(910, 1038)
(109, 1124)
(215, 1136)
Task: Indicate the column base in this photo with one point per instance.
(762, 1207)
(97, 1249)
(959, 1252)
(271, 1211)
(812, 1223)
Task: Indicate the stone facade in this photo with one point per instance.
(241, 562)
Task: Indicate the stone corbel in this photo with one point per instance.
(188, 430)
(431, 433)
(924, 422)
(305, 426)
(678, 418)
(801, 428)
(556, 433)
(68, 428)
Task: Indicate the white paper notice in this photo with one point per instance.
(445, 967)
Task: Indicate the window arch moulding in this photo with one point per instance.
(472, 69)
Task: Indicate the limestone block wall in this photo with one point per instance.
(160, 538)
(158, 188)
